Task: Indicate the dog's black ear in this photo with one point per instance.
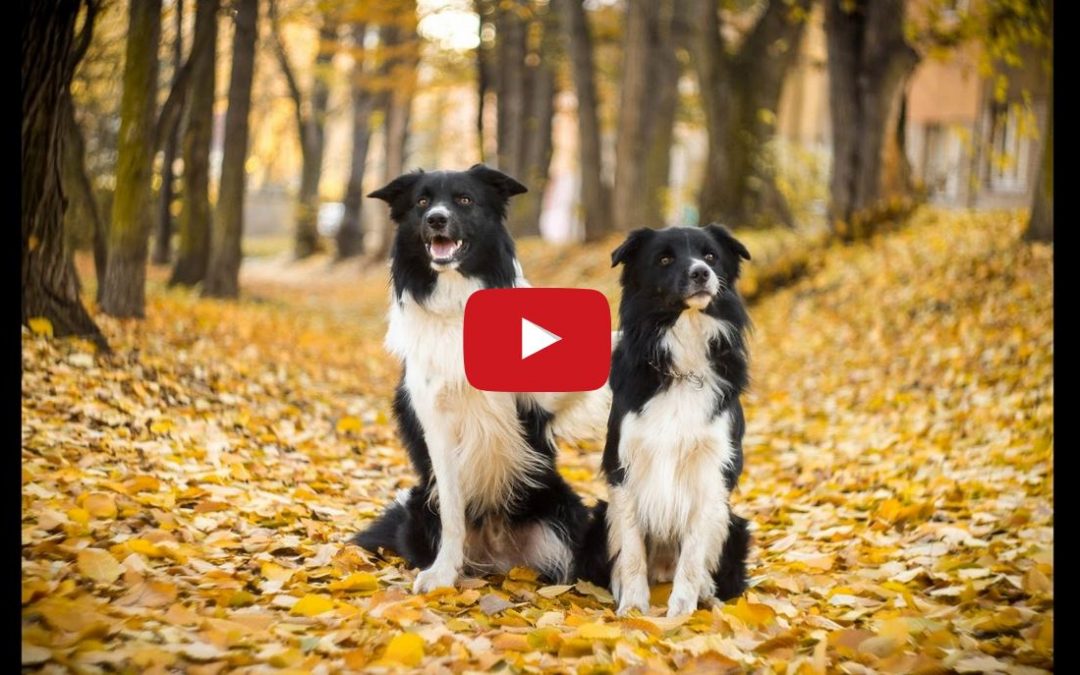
(723, 236)
(628, 248)
(507, 186)
(395, 188)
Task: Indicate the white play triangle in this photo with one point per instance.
(534, 338)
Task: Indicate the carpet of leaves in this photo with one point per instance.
(186, 501)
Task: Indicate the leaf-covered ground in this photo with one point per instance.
(185, 501)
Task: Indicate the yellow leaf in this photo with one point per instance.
(312, 605)
(752, 614)
(161, 426)
(349, 424)
(33, 655)
(357, 581)
(599, 631)
(80, 516)
(523, 574)
(99, 565)
(144, 547)
(406, 649)
(275, 572)
(100, 505)
(513, 642)
(39, 325)
(552, 591)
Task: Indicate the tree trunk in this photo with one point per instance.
(50, 287)
(163, 237)
(1041, 226)
(125, 274)
(402, 42)
(312, 143)
(595, 197)
(196, 215)
(869, 64)
(536, 141)
(83, 206)
(511, 45)
(350, 236)
(223, 275)
(664, 73)
(738, 93)
(628, 196)
(483, 9)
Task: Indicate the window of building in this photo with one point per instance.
(1009, 149)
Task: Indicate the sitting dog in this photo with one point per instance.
(674, 439)
(489, 497)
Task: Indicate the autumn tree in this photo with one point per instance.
(223, 273)
(526, 40)
(310, 114)
(49, 53)
(647, 107)
(399, 47)
(125, 273)
(740, 89)
(869, 63)
(193, 253)
(350, 236)
(161, 252)
(82, 206)
(595, 195)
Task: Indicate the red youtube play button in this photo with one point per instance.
(537, 339)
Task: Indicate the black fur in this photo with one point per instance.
(655, 282)
(412, 529)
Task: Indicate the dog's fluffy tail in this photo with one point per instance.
(731, 577)
(383, 533)
(591, 561)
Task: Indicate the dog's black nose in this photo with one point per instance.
(699, 274)
(437, 221)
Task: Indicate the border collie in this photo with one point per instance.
(674, 439)
(489, 497)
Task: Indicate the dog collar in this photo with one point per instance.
(697, 381)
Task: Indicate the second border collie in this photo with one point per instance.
(674, 440)
(489, 497)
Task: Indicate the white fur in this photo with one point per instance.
(674, 453)
(475, 440)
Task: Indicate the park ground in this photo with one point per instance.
(187, 500)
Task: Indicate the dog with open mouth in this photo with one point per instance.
(674, 442)
(489, 497)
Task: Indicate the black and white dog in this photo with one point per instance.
(674, 439)
(489, 497)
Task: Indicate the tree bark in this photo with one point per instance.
(163, 236)
(536, 141)
(483, 9)
(869, 63)
(83, 205)
(193, 253)
(739, 90)
(1041, 225)
(628, 195)
(50, 286)
(223, 274)
(511, 45)
(310, 125)
(350, 236)
(125, 274)
(401, 43)
(664, 72)
(595, 196)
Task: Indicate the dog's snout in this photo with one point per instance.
(437, 220)
(699, 273)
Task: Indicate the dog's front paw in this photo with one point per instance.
(436, 576)
(634, 595)
(683, 600)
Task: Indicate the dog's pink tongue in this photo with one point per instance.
(442, 248)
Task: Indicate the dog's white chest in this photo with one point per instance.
(675, 449)
(479, 428)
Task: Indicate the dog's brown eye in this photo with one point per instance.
(709, 257)
(464, 200)
(666, 260)
(423, 201)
